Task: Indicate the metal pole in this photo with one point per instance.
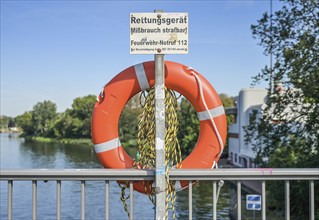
(271, 80)
(160, 182)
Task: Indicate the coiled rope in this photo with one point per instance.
(146, 147)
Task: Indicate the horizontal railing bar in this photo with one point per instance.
(175, 174)
(246, 174)
(77, 174)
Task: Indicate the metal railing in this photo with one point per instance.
(190, 175)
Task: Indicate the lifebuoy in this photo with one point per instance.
(140, 77)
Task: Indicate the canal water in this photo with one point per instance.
(18, 154)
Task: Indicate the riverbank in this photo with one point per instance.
(81, 141)
(10, 131)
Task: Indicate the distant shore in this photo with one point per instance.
(82, 141)
(3, 130)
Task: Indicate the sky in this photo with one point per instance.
(61, 50)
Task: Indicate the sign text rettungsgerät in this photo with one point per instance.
(158, 33)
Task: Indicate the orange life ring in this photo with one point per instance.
(140, 77)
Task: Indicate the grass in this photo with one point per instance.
(82, 141)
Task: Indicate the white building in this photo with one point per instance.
(240, 153)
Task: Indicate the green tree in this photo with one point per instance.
(294, 43)
(128, 124)
(60, 126)
(287, 131)
(24, 122)
(188, 127)
(44, 120)
(82, 107)
(64, 126)
(228, 102)
(43, 116)
(76, 122)
(11, 123)
(4, 122)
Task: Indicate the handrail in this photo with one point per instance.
(107, 175)
(246, 174)
(76, 174)
(175, 174)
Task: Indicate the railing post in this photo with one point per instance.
(10, 186)
(107, 191)
(263, 200)
(190, 200)
(214, 201)
(131, 201)
(238, 200)
(82, 199)
(287, 200)
(311, 200)
(34, 199)
(58, 199)
(160, 182)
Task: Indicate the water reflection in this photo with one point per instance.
(56, 155)
(203, 201)
(16, 153)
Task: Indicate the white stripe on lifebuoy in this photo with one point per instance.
(141, 76)
(108, 145)
(215, 112)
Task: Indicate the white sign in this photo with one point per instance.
(159, 33)
(253, 202)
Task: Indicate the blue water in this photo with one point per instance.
(18, 154)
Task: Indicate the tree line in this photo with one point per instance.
(44, 120)
(75, 123)
(6, 123)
